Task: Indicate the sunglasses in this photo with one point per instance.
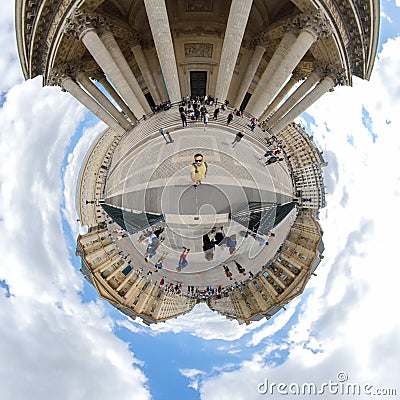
(198, 160)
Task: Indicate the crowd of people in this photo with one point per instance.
(195, 109)
(152, 239)
(217, 237)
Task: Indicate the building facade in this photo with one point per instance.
(306, 162)
(122, 59)
(253, 52)
(122, 285)
(281, 279)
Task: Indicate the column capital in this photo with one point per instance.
(57, 75)
(298, 75)
(314, 22)
(82, 21)
(98, 75)
(260, 40)
(74, 69)
(338, 75)
(62, 72)
(136, 40)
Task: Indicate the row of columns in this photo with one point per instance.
(95, 34)
(281, 95)
(295, 97)
(146, 73)
(101, 98)
(100, 77)
(98, 39)
(68, 84)
(264, 87)
(301, 34)
(122, 85)
(326, 85)
(159, 24)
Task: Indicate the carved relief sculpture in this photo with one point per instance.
(203, 50)
(199, 6)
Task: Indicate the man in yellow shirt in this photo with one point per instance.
(198, 170)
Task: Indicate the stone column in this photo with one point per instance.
(125, 281)
(263, 281)
(82, 26)
(287, 271)
(100, 77)
(101, 267)
(111, 45)
(287, 41)
(67, 83)
(117, 271)
(312, 27)
(98, 95)
(134, 290)
(237, 21)
(106, 62)
(249, 75)
(146, 73)
(159, 24)
(324, 86)
(280, 96)
(295, 97)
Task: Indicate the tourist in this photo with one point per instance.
(205, 120)
(268, 153)
(208, 247)
(152, 248)
(230, 118)
(272, 160)
(198, 170)
(165, 135)
(183, 263)
(159, 264)
(183, 118)
(240, 269)
(215, 115)
(238, 138)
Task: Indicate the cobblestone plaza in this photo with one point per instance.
(164, 186)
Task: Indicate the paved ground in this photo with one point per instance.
(155, 178)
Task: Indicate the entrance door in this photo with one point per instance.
(245, 101)
(198, 82)
(150, 100)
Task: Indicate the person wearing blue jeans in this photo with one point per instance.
(165, 135)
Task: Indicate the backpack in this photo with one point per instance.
(195, 167)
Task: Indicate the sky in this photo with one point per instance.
(59, 340)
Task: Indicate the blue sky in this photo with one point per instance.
(55, 330)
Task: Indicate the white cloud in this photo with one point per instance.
(276, 324)
(10, 70)
(70, 176)
(46, 354)
(132, 327)
(49, 337)
(206, 324)
(230, 349)
(346, 322)
(52, 344)
(193, 375)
